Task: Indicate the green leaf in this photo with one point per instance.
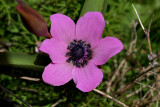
(23, 64)
(92, 5)
(18, 58)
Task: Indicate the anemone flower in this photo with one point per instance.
(76, 50)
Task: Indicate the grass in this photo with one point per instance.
(120, 18)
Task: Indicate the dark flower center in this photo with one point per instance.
(79, 53)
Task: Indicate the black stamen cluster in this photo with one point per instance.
(79, 53)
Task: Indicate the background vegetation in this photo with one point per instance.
(121, 22)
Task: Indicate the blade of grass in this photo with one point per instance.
(92, 5)
(23, 64)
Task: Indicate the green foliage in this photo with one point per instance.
(118, 16)
(89, 5)
(12, 29)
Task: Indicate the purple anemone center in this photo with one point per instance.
(79, 53)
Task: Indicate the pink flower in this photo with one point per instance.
(77, 49)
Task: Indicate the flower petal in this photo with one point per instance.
(90, 27)
(87, 78)
(56, 49)
(107, 47)
(62, 27)
(57, 74)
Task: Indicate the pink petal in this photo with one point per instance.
(90, 27)
(56, 49)
(87, 78)
(107, 47)
(62, 27)
(57, 74)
